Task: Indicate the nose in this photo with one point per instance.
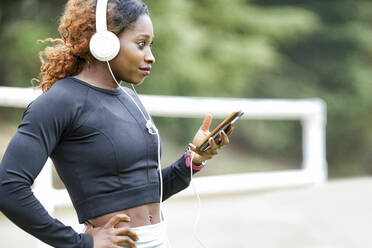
(149, 58)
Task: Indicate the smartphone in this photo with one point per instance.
(224, 125)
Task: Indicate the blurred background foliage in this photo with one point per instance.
(239, 48)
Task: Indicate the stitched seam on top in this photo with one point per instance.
(82, 109)
(85, 101)
(143, 134)
(112, 146)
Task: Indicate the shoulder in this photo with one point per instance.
(64, 93)
(64, 98)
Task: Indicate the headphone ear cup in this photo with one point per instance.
(104, 45)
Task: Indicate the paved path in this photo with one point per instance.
(334, 215)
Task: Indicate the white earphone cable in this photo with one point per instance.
(119, 85)
(198, 211)
(149, 126)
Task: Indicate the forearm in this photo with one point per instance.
(176, 177)
(21, 164)
(20, 205)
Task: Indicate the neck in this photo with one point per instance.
(98, 74)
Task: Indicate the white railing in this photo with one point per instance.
(311, 113)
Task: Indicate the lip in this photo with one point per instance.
(145, 70)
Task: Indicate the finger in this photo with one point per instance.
(121, 246)
(230, 129)
(204, 154)
(212, 144)
(195, 149)
(192, 146)
(207, 122)
(116, 219)
(125, 231)
(124, 240)
(225, 139)
(218, 139)
(212, 149)
(89, 228)
(218, 144)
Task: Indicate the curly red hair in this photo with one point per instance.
(70, 53)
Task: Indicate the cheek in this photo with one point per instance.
(123, 62)
(131, 52)
(127, 62)
(130, 62)
(135, 57)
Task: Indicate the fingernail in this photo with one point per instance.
(192, 145)
(124, 216)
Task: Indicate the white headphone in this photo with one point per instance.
(104, 45)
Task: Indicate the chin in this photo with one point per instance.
(138, 82)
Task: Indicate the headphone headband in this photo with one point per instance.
(101, 21)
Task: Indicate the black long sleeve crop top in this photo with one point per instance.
(102, 151)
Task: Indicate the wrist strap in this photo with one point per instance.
(189, 162)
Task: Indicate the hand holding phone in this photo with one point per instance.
(224, 125)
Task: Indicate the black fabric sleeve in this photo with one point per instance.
(43, 123)
(176, 177)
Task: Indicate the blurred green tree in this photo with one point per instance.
(334, 63)
(22, 24)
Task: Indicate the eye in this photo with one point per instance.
(141, 44)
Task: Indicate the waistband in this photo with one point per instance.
(151, 235)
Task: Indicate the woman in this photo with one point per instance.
(98, 137)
